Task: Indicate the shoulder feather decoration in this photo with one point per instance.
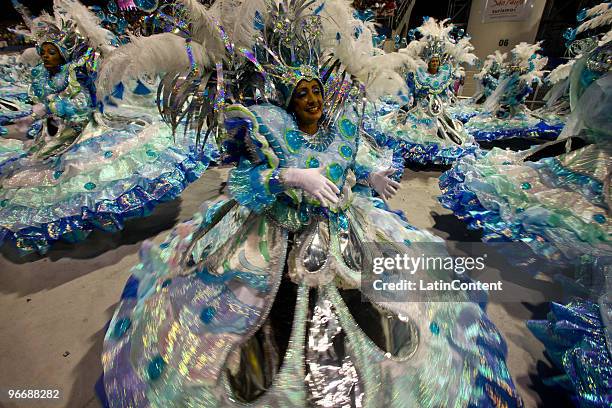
(157, 54)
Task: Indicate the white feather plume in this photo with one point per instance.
(204, 28)
(461, 52)
(240, 23)
(606, 38)
(373, 67)
(600, 15)
(434, 29)
(87, 24)
(157, 54)
(496, 58)
(29, 57)
(561, 72)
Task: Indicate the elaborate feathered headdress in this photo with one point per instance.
(526, 60)
(440, 39)
(493, 64)
(72, 27)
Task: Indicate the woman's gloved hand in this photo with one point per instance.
(382, 184)
(313, 182)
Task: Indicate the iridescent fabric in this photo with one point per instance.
(192, 327)
(515, 200)
(575, 339)
(87, 175)
(512, 199)
(486, 127)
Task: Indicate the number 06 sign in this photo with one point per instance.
(507, 10)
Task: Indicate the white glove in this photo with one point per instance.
(382, 184)
(313, 182)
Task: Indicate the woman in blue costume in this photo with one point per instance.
(247, 302)
(78, 174)
(515, 197)
(425, 129)
(504, 114)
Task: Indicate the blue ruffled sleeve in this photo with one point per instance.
(255, 183)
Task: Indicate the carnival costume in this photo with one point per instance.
(196, 325)
(84, 170)
(504, 114)
(424, 128)
(487, 80)
(578, 336)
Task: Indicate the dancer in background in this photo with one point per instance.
(520, 196)
(504, 114)
(425, 129)
(83, 170)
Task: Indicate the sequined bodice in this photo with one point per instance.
(424, 84)
(43, 84)
(333, 149)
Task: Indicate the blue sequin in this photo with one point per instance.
(151, 153)
(131, 288)
(526, 186)
(166, 283)
(345, 151)
(294, 140)
(520, 210)
(599, 218)
(208, 313)
(164, 245)
(108, 154)
(434, 328)
(334, 172)
(156, 367)
(121, 327)
(347, 128)
(312, 162)
(3, 203)
(89, 186)
(57, 174)
(343, 221)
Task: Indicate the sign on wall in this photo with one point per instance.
(507, 10)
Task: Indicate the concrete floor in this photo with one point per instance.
(53, 310)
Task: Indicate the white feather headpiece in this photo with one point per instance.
(496, 59)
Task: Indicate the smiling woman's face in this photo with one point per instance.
(307, 102)
(51, 56)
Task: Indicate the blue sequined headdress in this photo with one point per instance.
(287, 48)
(64, 37)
